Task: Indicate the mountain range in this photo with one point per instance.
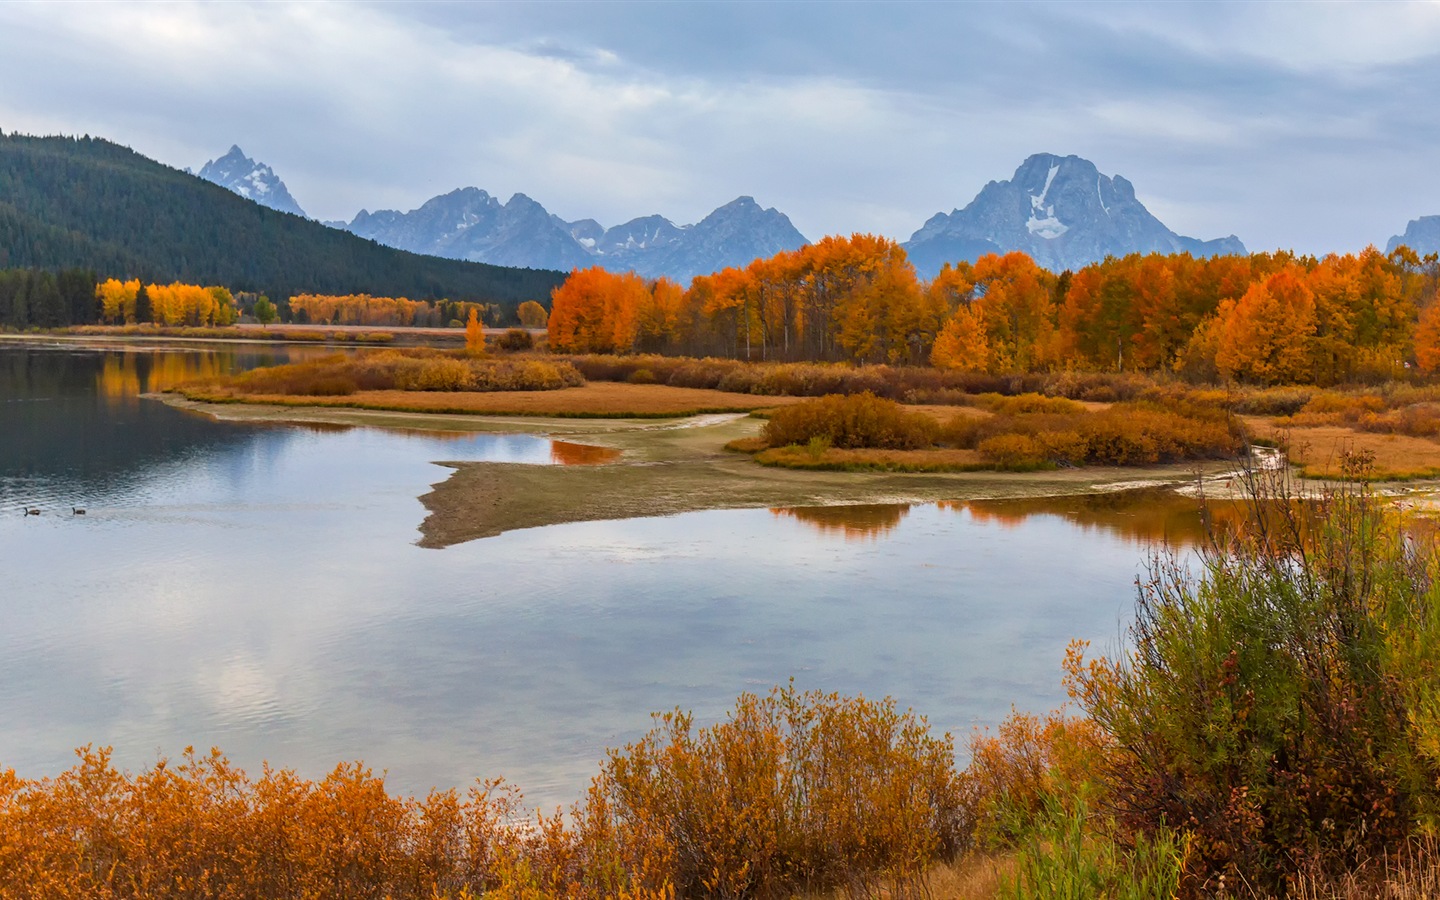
(470, 224)
(1060, 210)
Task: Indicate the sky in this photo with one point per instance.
(1306, 126)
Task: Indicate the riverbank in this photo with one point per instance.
(665, 467)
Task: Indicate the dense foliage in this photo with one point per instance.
(363, 309)
(45, 299)
(1267, 318)
(1026, 431)
(91, 203)
(1282, 708)
(793, 791)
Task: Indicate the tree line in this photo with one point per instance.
(40, 298)
(1266, 318)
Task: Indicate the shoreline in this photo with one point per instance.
(667, 467)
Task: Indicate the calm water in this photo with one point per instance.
(258, 589)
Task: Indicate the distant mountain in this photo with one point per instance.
(1422, 235)
(88, 202)
(470, 224)
(251, 180)
(1059, 210)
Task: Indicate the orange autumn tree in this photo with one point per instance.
(596, 311)
(1013, 299)
(1427, 340)
(962, 344)
(1265, 336)
(474, 333)
(190, 304)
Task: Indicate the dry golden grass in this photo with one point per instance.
(598, 400)
(974, 877)
(1317, 451)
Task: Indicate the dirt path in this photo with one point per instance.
(666, 467)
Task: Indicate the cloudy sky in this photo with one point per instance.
(1312, 126)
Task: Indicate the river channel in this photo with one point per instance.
(259, 589)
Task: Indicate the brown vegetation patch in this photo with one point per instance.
(607, 400)
(1023, 433)
(835, 459)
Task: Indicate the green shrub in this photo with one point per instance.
(1284, 707)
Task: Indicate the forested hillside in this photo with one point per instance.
(68, 202)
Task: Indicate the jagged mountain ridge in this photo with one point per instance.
(1059, 210)
(470, 224)
(251, 180)
(1422, 235)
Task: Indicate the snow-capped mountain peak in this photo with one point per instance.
(250, 179)
(1062, 212)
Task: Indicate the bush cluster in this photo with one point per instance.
(851, 422)
(794, 791)
(1282, 707)
(1124, 434)
(904, 383)
(411, 370)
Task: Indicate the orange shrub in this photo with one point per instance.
(857, 421)
(1028, 760)
(1013, 451)
(793, 790)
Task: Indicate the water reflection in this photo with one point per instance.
(858, 522)
(1147, 516)
(565, 453)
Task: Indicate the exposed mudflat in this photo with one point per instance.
(666, 467)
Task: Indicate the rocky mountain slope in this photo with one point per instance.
(251, 180)
(472, 225)
(1059, 210)
(1422, 235)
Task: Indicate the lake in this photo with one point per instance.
(259, 589)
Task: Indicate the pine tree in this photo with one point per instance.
(144, 311)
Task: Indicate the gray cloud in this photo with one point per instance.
(1291, 125)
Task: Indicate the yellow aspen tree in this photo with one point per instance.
(474, 333)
